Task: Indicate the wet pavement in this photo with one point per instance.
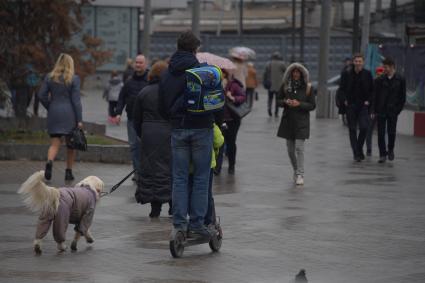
(351, 222)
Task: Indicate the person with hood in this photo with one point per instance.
(297, 99)
(128, 94)
(389, 100)
(234, 94)
(154, 184)
(111, 94)
(273, 78)
(191, 141)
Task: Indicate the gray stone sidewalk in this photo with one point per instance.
(351, 222)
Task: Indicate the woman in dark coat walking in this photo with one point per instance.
(235, 94)
(297, 99)
(154, 185)
(60, 95)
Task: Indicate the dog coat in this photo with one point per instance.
(76, 206)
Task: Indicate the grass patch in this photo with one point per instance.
(41, 137)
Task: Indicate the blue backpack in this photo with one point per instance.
(204, 93)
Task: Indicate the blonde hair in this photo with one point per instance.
(64, 68)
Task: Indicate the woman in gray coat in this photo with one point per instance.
(296, 97)
(60, 95)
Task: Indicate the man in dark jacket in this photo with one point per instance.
(357, 91)
(191, 140)
(128, 95)
(389, 100)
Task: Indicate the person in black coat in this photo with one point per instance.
(389, 100)
(297, 99)
(357, 91)
(154, 184)
(128, 94)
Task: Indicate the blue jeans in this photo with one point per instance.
(191, 147)
(134, 143)
(210, 216)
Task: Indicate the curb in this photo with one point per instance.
(94, 153)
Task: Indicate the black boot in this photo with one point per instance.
(155, 209)
(68, 175)
(231, 170)
(48, 170)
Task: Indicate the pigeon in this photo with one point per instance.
(300, 277)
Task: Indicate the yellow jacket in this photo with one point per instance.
(218, 141)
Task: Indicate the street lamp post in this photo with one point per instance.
(196, 11)
(322, 90)
(146, 27)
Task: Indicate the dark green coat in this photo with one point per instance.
(295, 122)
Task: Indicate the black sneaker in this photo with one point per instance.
(382, 159)
(231, 170)
(391, 155)
(68, 175)
(48, 170)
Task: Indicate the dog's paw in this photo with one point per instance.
(37, 249)
(89, 239)
(37, 246)
(61, 247)
(74, 246)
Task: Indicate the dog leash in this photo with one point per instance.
(117, 185)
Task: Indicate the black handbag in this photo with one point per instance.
(240, 110)
(76, 138)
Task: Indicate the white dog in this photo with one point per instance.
(61, 206)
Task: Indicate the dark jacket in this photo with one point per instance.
(171, 94)
(295, 122)
(355, 88)
(389, 95)
(155, 134)
(339, 98)
(129, 92)
(63, 105)
(236, 89)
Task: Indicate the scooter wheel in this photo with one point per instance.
(177, 245)
(216, 239)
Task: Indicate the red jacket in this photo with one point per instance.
(236, 89)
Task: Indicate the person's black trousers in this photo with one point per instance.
(112, 108)
(369, 135)
(357, 117)
(272, 94)
(250, 92)
(230, 135)
(387, 124)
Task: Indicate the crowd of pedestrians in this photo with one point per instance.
(174, 154)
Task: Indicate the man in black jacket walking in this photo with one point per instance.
(389, 100)
(191, 140)
(128, 94)
(357, 92)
